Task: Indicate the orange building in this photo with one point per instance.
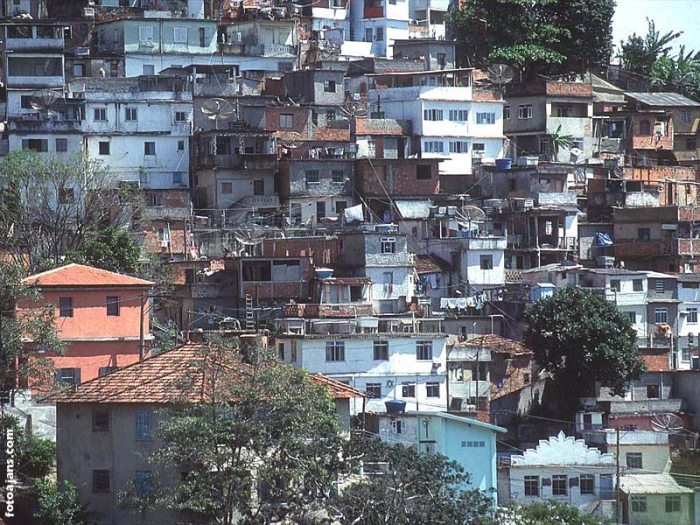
(99, 317)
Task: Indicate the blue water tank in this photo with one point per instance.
(504, 163)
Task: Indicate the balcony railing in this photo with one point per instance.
(326, 310)
(259, 161)
(269, 50)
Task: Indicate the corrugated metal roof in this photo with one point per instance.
(414, 209)
(662, 99)
(651, 484)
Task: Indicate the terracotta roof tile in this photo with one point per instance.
(80, 275)
(496, 344)
(331, 134)
(160, 379)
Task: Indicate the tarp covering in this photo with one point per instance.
(603, 239)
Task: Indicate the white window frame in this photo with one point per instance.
(524, 111)
(146, 34)
(486, 118)
(179, 35)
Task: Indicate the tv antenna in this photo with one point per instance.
(500, 74)
(669, 423)
(217, 109)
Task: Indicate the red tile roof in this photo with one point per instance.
(81, 275)
(160, 379)
(496, 344)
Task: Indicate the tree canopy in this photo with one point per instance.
(535, 36)
(580, 339)
(110, 249)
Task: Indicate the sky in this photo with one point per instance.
(669, 15)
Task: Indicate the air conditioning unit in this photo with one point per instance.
(89, 12)
(81, 51)
(164, 244)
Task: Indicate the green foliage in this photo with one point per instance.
(558, 141)
(38, 457)
(110, 249)
(580, 338)
(547, 513)
(58, 507)
(22, 361)
(640, 53)
(536, 36)
(415, 488)
(263, 425)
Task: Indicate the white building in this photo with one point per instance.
(688, 326)
(389, 358)
(560, 468)
(140, 128)
(379, 22)
(449, 121)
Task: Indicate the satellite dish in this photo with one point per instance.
(44, 102)
(500, 74)
(469, 214)
(249, 236)
(669, 423)
(353, 109)
(217, 109)
(576, 152)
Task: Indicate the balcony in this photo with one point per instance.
(486, 243)
(34, 38)
(259, 161)
(260, 201)
(520, 241)
(611, 145)
(37, 122)
(270, 50)
(652, 142)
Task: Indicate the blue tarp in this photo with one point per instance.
(603, 239)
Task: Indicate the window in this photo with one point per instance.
(643, 234)
(659, 286)
(524, 111)
(459, 147)
(632, 317)
(286, 120)
(100, 480)
(615, 285)
(148, 69)
(673, 503)
(634, 460)
(368, 34)
(373, 390)
(458, 115)
(587, 484)
(177, 178)
(408, 389)
(181, 145)
(661, 315)
(293, 357)
(145, 34)
(143, 482)
(337, 176)
(100, 420)
(340, 207)
(424, 350)
(204, 36)
(637, 285)
(644, 127)
(692, 316)
(638, 503)
(381, 350)
(506, 112)
(65, 306)
(388, 245)
(131, 114)
(424, 172)
(432, 114)
(180, 116)
(396, 427)
(280, 351)
(478, 148)
(144, 425)
(485, 118)
(486, 262)
(227, 188)
(685, 117)
(112, 305)
(653, 392)
(330, 115)
(312, 177)
(103, 147)
(560, 485)
(68, 376)
(329, 86)
(432, 390)
(441, 60)
(380, 34)
(78, 70)
(61, 145)
(320, 210)
(434, 146)
(532, 486)
(259, 187)
(691, 143)
(180, 35)
(106, 370)
(335, 351)
(100, 114)
(149, 148)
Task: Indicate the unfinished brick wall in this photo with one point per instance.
(398, 177)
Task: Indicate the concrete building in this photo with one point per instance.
(656, 498)
(379, 22)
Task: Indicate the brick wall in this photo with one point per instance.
(178, 236)
(398, 177)
(655, 362)
(322, 251)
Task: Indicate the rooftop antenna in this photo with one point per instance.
(500, 74)
(217, 109)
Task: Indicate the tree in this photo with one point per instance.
(414, 488)
(559, 140)
(262, 443)
(27, 335)
(56, 506)
(50, 207)
(640, 53)
(110, 249)
(580, 339)
(547, 513)
(536, 36)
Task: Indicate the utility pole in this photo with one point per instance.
(617, 476)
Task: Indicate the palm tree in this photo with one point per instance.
(558, 140)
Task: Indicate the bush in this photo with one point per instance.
(58, 507)
(38, 457)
